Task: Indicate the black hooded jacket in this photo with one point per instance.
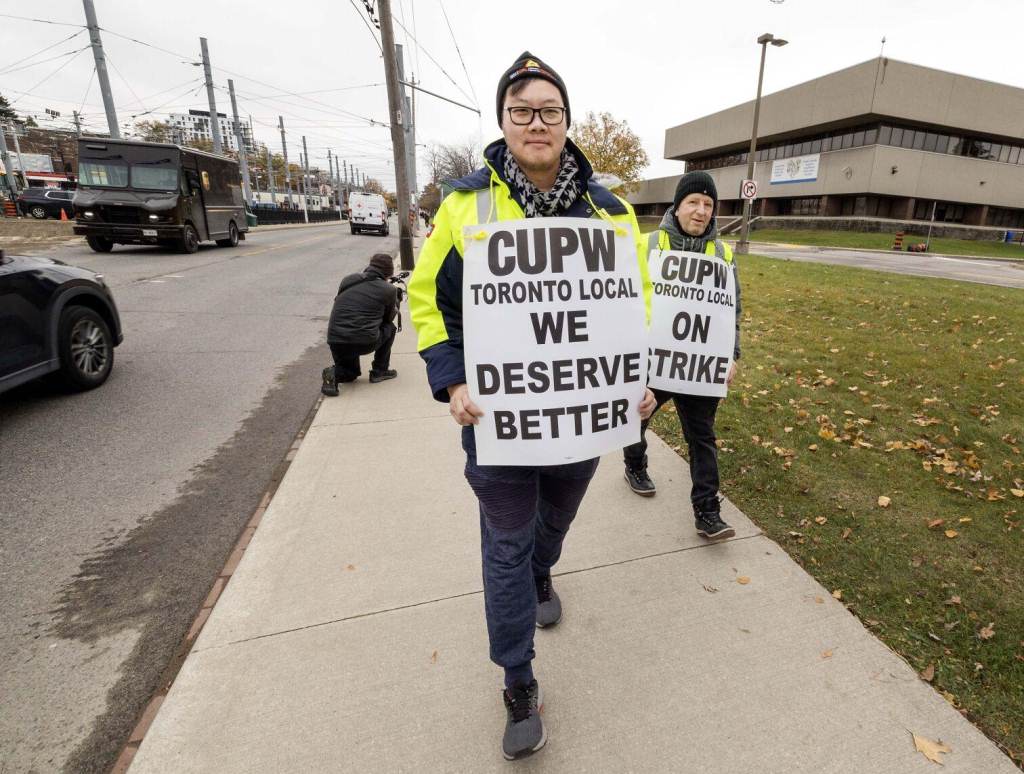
(364, 303)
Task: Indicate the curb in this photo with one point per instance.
(149, 713)
(893, 252)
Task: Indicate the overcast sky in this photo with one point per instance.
(655, 64)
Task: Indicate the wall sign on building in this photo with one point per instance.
(798, 169)
(555, 339)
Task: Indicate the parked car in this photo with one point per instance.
(46, 202)
(367, 212)
(55, 318)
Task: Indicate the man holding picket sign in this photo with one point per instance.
(695, 340)
(530, 301)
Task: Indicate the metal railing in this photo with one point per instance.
(269, 216)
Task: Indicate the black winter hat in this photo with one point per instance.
(529, 66)
(383, 263)
(694, 182)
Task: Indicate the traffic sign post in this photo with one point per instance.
(748, 190)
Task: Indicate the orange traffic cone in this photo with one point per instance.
(63, 214)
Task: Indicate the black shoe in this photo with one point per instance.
(549, 606)
(330, 385)
(524, 729)
(708, 521)
(639, 481)
(382, 376)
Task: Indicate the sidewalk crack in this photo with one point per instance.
(413, 605)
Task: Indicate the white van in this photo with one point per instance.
(367, 212)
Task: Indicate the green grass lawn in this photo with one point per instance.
(875, 431)
(883, 241)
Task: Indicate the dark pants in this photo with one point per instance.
(697, 416)
(525, 513)
(346, 356)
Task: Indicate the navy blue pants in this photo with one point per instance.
(525, 513)
(697, 416)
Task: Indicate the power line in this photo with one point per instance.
(372, 33)
(41, 21)
(431, 58)
(458, 51)
(8, 68)
(41, 61)
(184, 57)
(71, 57)
(125, 82)
(88, 86)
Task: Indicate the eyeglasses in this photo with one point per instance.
(523, 116)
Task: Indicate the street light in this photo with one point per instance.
(743, 245)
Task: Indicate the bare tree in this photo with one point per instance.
(448, 162)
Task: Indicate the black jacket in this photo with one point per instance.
(364, 303)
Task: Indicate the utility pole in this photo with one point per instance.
(287, 172)
(5, 157)
(410, 135)
(101, 68)
(78, 125)
(397, 121)
(330, 171)
(17, 152)
(270, 178)
(305, 177)
(214, 125)
(242, 155)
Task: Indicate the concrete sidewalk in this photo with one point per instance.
(352, 638)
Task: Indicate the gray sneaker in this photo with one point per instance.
(549, 606)
(524, 728)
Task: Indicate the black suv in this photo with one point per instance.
(55, 317)
(46, 202)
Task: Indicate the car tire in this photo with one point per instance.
(352, 229)
(232, 240)
(85, 347)
(37, 212)
(189, 242)
(100, 244)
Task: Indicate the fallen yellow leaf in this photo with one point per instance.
(826, 653)
(1017, 492)
(820, 519)
(951, 533)
(837, 594)
(929, 749)
(883, 501)
(433, 657)
(988, 632)
(928, 673)
(743, 580)
(936, 523)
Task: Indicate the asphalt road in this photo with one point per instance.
(987, 272)
(118, 507)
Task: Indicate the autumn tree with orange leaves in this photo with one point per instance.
(612, 147)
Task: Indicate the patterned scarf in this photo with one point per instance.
(560, 198)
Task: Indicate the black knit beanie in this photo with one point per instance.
(529, 66)
(694, 182)
(383, 263)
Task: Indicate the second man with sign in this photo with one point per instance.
(525, 511)
(690, 227)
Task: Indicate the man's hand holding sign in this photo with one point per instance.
(555, 339)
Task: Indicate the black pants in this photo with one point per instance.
(697, 416)
(346, 356)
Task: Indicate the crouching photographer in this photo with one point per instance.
(362, 321)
